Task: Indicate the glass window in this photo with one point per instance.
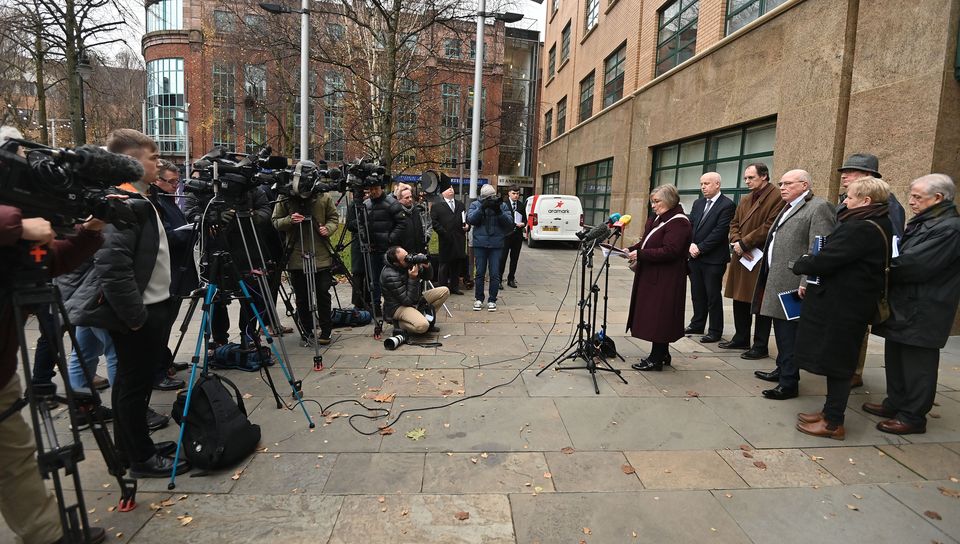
(565, 43)
(677, 33)
(548, 126)
(450, 122)
(254, 22)
(334, 141)
(593, 189)
(613, 68)
(592, 14)
(408, 97)
(254, 116)
(562, 116)
(166, 119)
(551, 184)
(451, 48)
(552, 61)
(586, 97)
(742, 12)
(224, 106)
(165, 15)
(473, 50)
(336, 31)
(726, 152)
(223, 21)
(556, 5)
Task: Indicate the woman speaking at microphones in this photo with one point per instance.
(660, 281)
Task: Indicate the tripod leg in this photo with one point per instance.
(431, 286)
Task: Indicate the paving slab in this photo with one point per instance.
(244, 518)
(699, 362)
(460, 473)
(704, 469)
(502, 329)
(638, 385)
(861, 465)
(653, 516)
(424, 519)
(805, 515)
(393, 359)
(381, 473)
(511, 345)
(591, 472)
(287, 431)
(270, 473)
(479, 381)
(571, 382)
(342, 382)
(702, 383)
(932, 461)
(447, 383)
(644, 423)
(924, 497)
(777, 468)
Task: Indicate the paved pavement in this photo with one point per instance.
(692, 454)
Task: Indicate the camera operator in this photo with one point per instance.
(403, 292)
(492, 220)
(127, 292)
(386, 221)
(288, 217)
(224, 234)
(29, 510)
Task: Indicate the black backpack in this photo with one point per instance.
(218, 433)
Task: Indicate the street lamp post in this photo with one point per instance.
(478, 90)
(304, 64)
(84, 71)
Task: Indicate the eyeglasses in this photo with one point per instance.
(786, 183)
(655, 201)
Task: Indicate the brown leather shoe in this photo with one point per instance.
(895, 426)
(878, 409)
(819, 428)
(856, 381)
(811, 417)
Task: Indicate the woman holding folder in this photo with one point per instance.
(836, 312)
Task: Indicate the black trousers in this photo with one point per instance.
(838, 393)
(786, 335)
(323, 279)
(449, 272)
(139, 354)
(160, 373)
(248, 321)
(742, 319)
(706, 281)
(511, 247)
(911, 380)
(659, 352)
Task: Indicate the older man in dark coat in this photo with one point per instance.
(748, 231)
(793, 232)
(447, 215)
(709, 255)
(924, 291)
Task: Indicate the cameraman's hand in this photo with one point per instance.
(323, 231)
(228, 216)
(94, 224)
(415, 271)
(37, 229)
(296, 218)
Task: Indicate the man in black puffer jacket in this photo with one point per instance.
(402, 292)
(386, 220)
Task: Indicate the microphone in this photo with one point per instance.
(596, 233)
(622, 223)
(614, 217)
(97, 164)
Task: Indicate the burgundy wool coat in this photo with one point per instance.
(660, 283)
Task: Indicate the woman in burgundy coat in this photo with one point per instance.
(660, 283)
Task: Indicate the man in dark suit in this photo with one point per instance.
(514, 240)
(709, 256)
(447, 216)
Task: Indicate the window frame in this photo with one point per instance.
(453, 48)
(763, 8)
(552, 62)
(550, 183)
(166, 97)
(608, 82)
(226, 23)
(591, 14)
(164, 15)
(592, 214)
(254, 115)
(548, 126)
(671, 61)
(565, 42)
(561, 116)
(586, 113)
(224, 100)
(334, 140)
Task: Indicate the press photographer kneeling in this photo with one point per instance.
(403, 292)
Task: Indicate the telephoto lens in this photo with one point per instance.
(394, 342)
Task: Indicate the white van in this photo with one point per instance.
(553, 217)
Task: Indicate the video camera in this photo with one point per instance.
(306, 180)
(232, 176)
(66, 186)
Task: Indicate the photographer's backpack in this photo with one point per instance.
(217, 433)
(352, 317)
(233, 356)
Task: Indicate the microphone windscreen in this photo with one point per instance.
(614, 217)
(99, 164)
(624, 220)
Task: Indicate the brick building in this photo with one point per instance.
(198, 53)
(637, 93)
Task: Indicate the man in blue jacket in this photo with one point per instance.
(492, 221)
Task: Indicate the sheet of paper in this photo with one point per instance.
(896, 247)
(757, 257)
(613, 251)
(188, 226)
(517, 218)
(463, 217)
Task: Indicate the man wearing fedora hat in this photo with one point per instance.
(857, 166)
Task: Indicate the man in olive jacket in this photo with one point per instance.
(923, 294)
(295, 216)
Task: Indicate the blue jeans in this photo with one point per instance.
(487, 258)
(92, 343)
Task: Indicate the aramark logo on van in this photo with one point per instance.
(559, 205)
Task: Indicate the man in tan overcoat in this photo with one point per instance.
(748, 231)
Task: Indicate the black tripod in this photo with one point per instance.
(52, 455)
(363, 238)
(585, 346)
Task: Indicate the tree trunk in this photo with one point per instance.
(389, 90)
(74, 82)
(38, 60)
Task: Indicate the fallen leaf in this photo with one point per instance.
(404, 513)
(853, 507)
(567, 450)
(537, 489)
(816, 458)
(851, 461)
(92, 510)
(954, 479)
(746, 447)
(236, 475)
(692, 393)
(381, 499)
(247, 396)
(932, 515)
(484, 455)
(385, 397)
(417, 434)
(857, 496)
(184, 520)
(934, 415)
(462, 516)
(111, 508)
(946, 491)
(748, 455)
(120, 535)
(167, 502)
(587, 531)
(760, 464)
(277, 456)
(183, 497)
(474, 460)
(634, 534)
(446, 392)
(728, 495)
(386, 431)
(547, 475)
(628, 469)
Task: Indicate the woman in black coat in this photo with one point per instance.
(835, 313)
